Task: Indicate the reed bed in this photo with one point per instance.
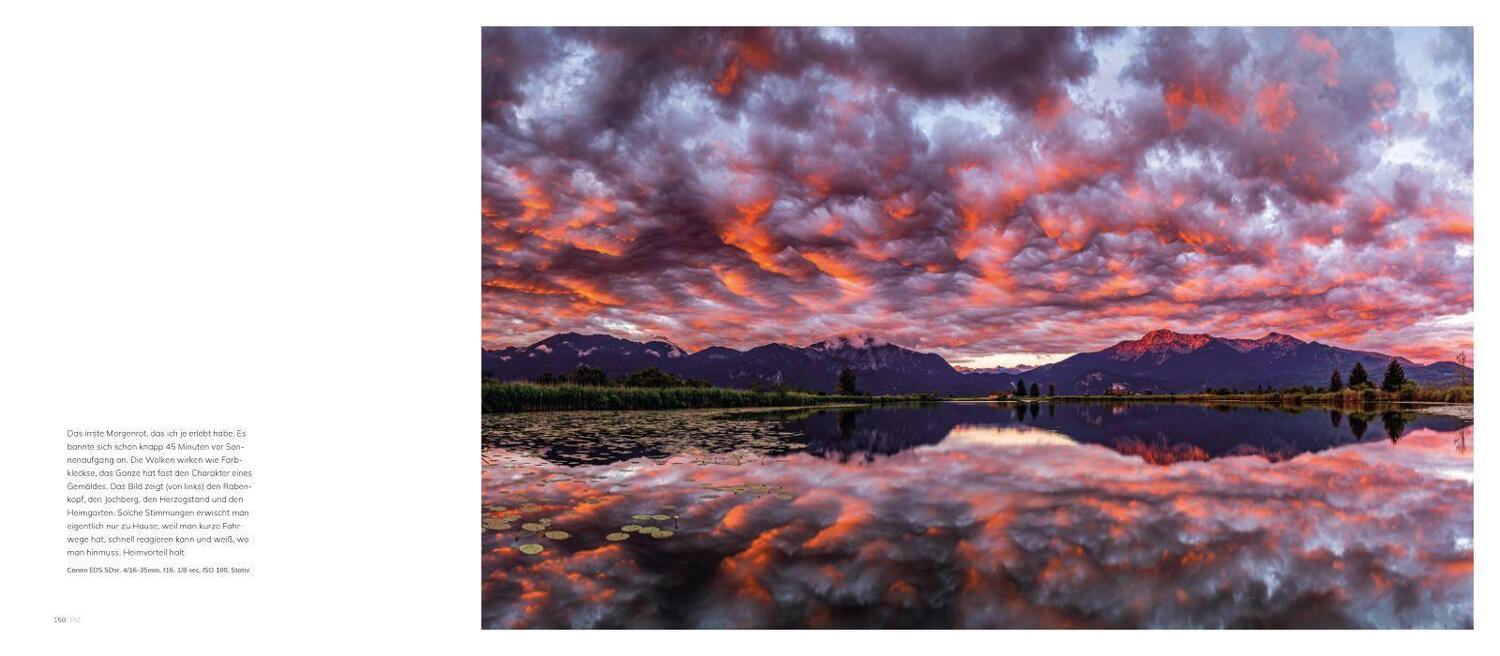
(521, 396)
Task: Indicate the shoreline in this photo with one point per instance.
(744, 400)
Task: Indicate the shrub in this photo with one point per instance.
(1407, 392)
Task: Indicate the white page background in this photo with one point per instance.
(264, 216)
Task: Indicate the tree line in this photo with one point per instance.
(1359, 379)
(1033, 391)
(596, 377)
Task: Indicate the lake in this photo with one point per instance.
(979, 515)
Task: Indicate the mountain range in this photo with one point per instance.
(1160, 361)
(1167, 361)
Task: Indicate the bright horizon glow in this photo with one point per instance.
(1011, 360)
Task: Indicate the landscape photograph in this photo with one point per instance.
(977, 328)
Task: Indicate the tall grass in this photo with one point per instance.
(519, 396)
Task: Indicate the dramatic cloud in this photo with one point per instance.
(979, 191)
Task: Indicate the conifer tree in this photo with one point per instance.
(1358, 376)
(1395, 377)
(846, 382)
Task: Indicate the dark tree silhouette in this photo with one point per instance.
(1035, 392)
(1051, 389)
(846, 423)
(654, 377)
(1336, 417)
(1358, 425)
(1335, 382)
(846, 382)
(1020, 387)
(587, 375)
(1395, 425)
(1358, 376)
(1395, 377)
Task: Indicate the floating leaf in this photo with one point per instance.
(532, 526)
(660, 518)
(531, 549)
(662, 534)
(556, 535)
(640, 517)
(616, 537)
(630, 528)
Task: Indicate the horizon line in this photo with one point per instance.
(847, 337)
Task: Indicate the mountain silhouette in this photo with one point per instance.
(1160, 361)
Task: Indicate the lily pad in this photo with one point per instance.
(630, 528)
(556, 535)
(532, 526)
(616, 537)
(531, 549)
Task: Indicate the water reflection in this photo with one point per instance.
(978, 516)
(963, 436)
(1395, 424)
(1158, 433)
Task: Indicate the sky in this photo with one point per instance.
(997, 195)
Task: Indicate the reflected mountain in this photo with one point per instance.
(1158, 433)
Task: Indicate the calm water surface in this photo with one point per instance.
(980, 516)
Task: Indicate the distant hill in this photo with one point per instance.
(1166, 361)
(1018, 369)
(1160, 361)
(879, 368)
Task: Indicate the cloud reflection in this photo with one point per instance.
(979, 533)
